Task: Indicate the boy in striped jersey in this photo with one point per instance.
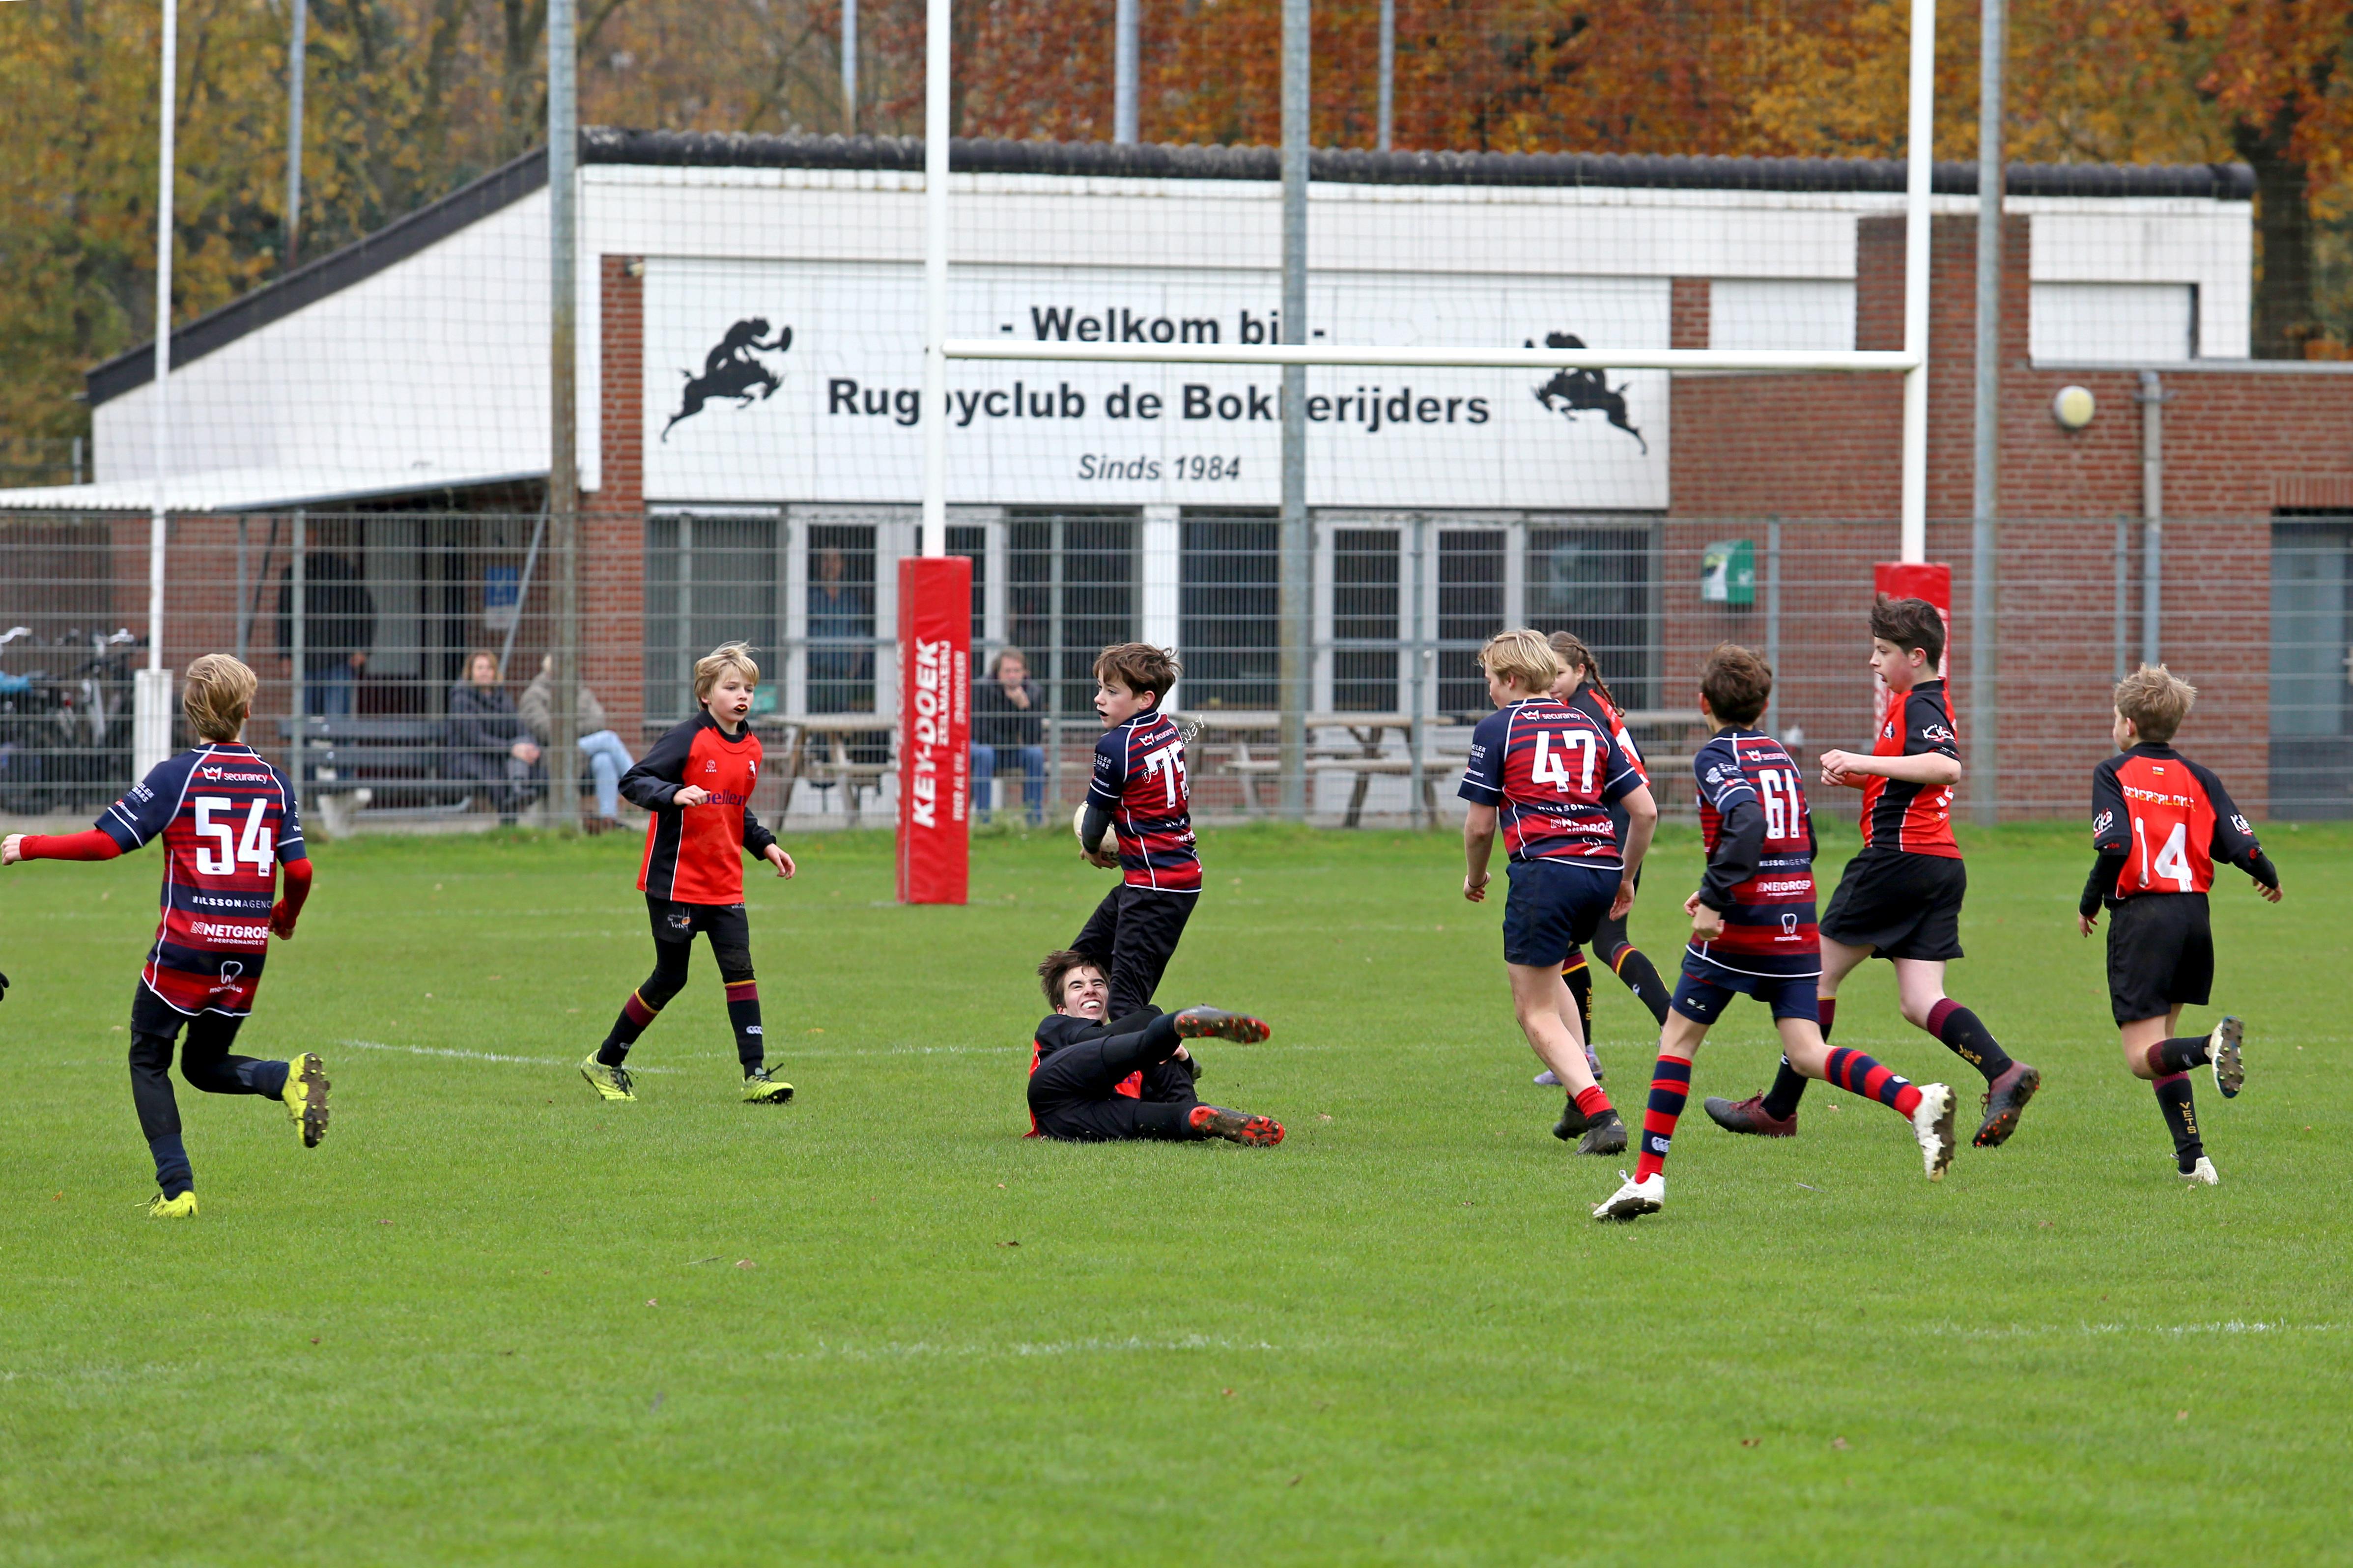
(227, 822)
(1753, 934)
(1139, 818)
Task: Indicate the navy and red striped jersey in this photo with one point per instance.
(2171, 819)
(1768, 907)
(694, 854)
(1552, 771)
(1917, 818)
(1587, 700)
(227, 820)
(1140, 781)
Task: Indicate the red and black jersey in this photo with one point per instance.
(227, 820)
(1140, 781)
(2171, 819)
(695, 854)
(1056, 1030)
(1917, 818)
(1552, 771)
(1760, 852)
(1586, 700)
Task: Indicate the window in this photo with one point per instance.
(1470, 589)
(709, 580)
(1230, 601)
(839, 603)
(971, 543)
(2112, 323)
(1365, 624)
(1071, 593)
(1595, 580)
(2312, 667)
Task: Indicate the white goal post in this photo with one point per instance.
(1911, 360)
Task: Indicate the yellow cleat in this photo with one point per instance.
(182, 1207)
(305, 1095)
(759, 1088)
(609, 1082)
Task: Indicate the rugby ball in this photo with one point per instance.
(1079, 826)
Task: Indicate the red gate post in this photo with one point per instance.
(934, 728)
(1929, 580)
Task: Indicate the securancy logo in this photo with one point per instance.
(732, 369)
(1573, 392)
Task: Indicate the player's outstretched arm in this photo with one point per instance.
(92, 844)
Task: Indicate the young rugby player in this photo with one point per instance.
(1139, 794)
(1093, 1082)
(227, 820)
(1549, 772)
(1753, 934)
(697, 784)
(1581, 686)
(1900, 897)
(2159, 822)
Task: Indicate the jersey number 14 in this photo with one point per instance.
(219, 847)
(2172, 856)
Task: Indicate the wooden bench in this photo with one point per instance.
(816, 748)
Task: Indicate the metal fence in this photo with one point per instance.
(364, 627)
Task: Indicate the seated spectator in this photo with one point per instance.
(1009, 715)
(487, 739)
(1093, 1082)
(608, 759)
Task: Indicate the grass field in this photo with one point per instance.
(494, 1320)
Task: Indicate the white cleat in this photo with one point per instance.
(1633, 1199)
(1932, 1123)
(2222, 1047)
(1548, 1080)
(2205, 1175)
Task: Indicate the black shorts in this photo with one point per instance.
(1903, 905)
(1134, 933)
(2160, 955)
(726, 925)
(1553, 907)
(150, 1015)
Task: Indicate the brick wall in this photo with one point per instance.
(613, 518)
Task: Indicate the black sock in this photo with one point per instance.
(1788, 1087)
(744, 1017)
(1967, 1037)
(634, 1016)
(1580, 978)
(1641, 977)
(172, 1170)
(2180, 1054)
(2173, 1099)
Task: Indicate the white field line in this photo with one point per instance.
(893, 1351)
(474, 1055)
(2091, 1331)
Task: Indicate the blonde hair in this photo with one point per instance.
(2155, 701)
(727, 656)
(218, 695)
(1522, 657)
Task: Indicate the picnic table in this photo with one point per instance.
(817, 747)
(1365, 758)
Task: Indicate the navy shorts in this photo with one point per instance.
(1705, 989)
(1553, 905)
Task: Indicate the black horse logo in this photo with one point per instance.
(729, 370)
(1585, 391)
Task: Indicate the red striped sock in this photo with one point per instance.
(1593, 1102)
(1858, 1074)
(1670, 1086)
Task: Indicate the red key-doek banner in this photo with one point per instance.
(1929, 580)
(934, 728)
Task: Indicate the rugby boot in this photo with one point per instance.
(1606, 1136)
(1932, 1124)
(1573, 1122)
(761, 1087)
(1212, 1023)
(182, 1207)
(1749, 1116)
(305, 1095)
(609, 1082)
(1236, 1126)
(2005, 1097)
(2202, 1175)
(2222, 1045)
(1549, 1079)
(1633, 1199)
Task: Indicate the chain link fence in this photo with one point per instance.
(397, 650)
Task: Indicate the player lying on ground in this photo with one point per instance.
(697, 784)
(1581, 686)
(1095, 1082)
(1547, 773)
(1900, 897)
(1753, 934)
(228, 821)
(1140, 796)
(2159, 822)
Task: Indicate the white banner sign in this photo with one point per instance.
(769, 382)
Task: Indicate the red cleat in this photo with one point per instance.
(1749, 1116)
(1213, 1022)
(1236, 1126)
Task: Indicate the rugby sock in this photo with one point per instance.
(2179, 1055)
(1593, 1102)
(744, 1016)
(2173, 1100)
(1858, 1074)
(1580, 985)
(1967, 1037)
(1670, 1086)
(635, 1016)
(1826, 1012)
(1780, 1101)
(171, 1170)
(1641, 977)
